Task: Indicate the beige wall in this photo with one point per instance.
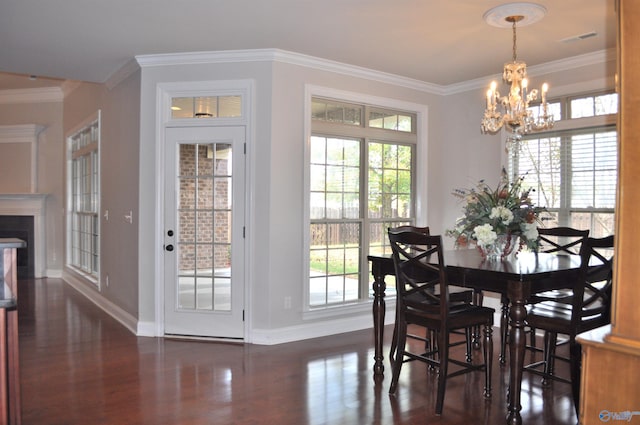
(50, 166)
(15, 167)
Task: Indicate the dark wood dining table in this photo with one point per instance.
(517, 277)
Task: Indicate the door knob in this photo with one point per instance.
(169, 248)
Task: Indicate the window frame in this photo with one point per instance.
(75, 254)
(565, 129)
(417, 139)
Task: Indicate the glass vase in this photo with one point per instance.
(504, 246)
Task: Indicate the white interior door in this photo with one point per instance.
(204, 243)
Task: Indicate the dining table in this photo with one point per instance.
(516, 276)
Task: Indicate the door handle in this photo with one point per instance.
(169, 248)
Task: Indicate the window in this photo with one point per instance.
(83, 195)
(206, 107)
(574, 170)
(361, 182)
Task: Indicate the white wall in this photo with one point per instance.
(119, 153)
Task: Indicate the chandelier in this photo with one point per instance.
(512, 111)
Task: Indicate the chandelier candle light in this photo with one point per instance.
(515, 116)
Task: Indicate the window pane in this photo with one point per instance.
(582, 107)
(539, 163)
(607, 104)
(335, 186)
(390, 120)
(335, 253)
(391, 182)
(553, 108)
(229, 106)
(594, 158)
(331, 111)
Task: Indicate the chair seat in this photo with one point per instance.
(556, 316)
(562, 295)
(460, 316)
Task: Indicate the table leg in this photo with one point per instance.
(4, 408)
(13, 378)
(379, 306)
(518, 293)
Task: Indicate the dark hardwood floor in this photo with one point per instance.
(80, 366)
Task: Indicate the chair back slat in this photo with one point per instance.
(592, 296)
(420, 275)
(561, 240)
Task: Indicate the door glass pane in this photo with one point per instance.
(204, 247)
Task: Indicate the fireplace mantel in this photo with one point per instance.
(30, 204)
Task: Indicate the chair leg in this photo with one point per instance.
(504, 328)
(532, 337)
(394, 342)
(487, 350)
(576, 364)
(401, 339)
(470, 335)
(478, 299)
(443, 348)
(550, 341)
(434, 348)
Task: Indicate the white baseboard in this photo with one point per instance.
(126, 319)
(53, 273)
(315, 330)
(146, 329)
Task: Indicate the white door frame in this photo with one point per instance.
(164, 93)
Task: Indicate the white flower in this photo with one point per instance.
(530, 231)
(503, 213)
(485, 235)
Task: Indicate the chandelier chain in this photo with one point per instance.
(515, 54)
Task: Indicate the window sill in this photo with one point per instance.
(356, 308)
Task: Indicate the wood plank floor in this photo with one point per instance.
(79, 366)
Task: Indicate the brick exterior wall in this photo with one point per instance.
(204, 212)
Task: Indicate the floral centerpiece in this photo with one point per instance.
(499, 221)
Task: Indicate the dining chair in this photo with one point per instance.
(456, 294)
(429, 338)
(423, 300)
(590, 308)
(561, 241)
(554, 240)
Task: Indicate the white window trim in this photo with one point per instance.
(421, 112)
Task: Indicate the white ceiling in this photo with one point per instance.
(436, 41)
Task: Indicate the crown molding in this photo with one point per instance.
(57, 94)
(39, 95)
(573, 62)
(122, 73)
(277, 55)
(23, 133)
